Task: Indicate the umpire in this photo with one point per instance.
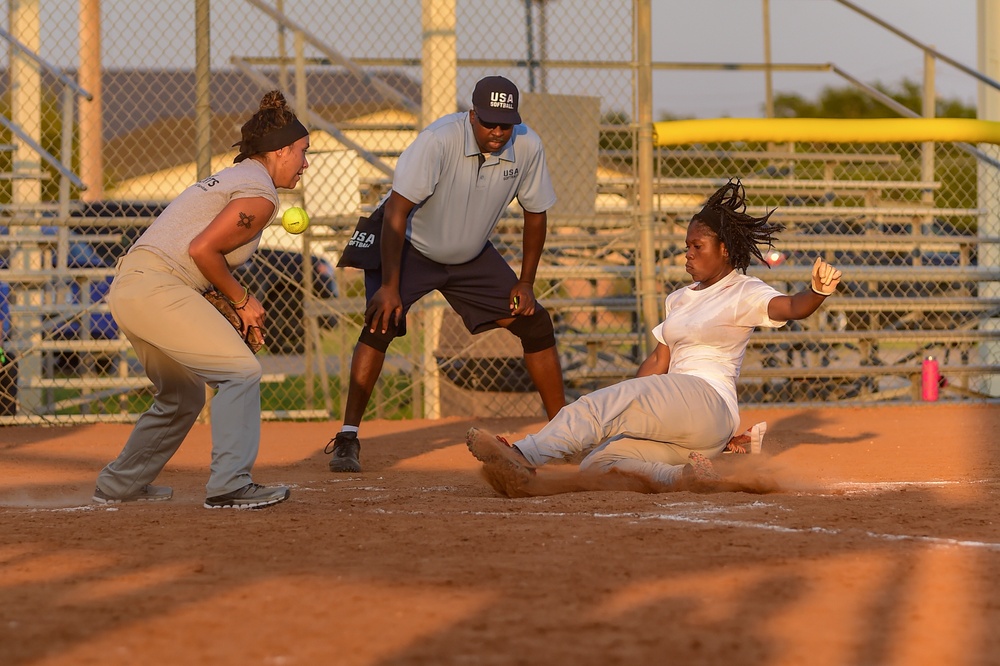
(450, 188)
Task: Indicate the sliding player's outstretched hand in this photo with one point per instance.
(825, 278)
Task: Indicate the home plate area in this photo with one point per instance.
(880, 546)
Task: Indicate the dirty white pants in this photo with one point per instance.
(646, 426)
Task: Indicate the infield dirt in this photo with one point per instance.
(881, 548)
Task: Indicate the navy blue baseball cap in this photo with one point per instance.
(495, 101)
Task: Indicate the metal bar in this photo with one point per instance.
(46, 65)
(759, 338)
(839, 212)
(788, 372)
(909, 113)
(387, 90)
(877, 158)
(202, 89)
(44, 154)
(485, 63)
(792, 273)
(316, 120)
(768, 72)
(648, 299)
(916, 42)
(834, 303)
(788, 182)
(530, 40)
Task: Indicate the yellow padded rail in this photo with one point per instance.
(834, 130)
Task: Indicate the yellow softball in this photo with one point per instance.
(295, 220)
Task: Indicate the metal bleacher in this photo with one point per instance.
(909, 290)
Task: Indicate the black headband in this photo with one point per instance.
(279, 138)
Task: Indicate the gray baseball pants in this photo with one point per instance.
(183, 343)
(646, 426)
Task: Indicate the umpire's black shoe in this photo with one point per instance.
(346, 450)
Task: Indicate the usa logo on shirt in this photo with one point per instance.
(510, 173)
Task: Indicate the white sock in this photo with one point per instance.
(757, 436)
(672, 476)
(348, 428)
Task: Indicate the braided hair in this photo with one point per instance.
(725, 215)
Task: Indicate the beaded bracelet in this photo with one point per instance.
(243, 301)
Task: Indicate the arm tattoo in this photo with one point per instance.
(245, 220)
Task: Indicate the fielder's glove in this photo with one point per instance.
(253, 337)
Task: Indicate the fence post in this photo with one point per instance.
(644, 152)
(988, 180)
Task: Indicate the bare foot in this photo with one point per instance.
(504, 468)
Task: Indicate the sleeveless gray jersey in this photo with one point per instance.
(193, 210)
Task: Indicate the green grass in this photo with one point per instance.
(392, 398)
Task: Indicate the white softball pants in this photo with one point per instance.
(646, 426)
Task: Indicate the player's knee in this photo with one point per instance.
(377, 341)
(249, 371)
(192, 396)
(600, 461)
(185, 398)
(535, 331)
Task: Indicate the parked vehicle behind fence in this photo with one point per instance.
(274, 276)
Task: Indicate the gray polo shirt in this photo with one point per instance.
(458, 202)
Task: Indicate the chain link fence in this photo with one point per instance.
(136, 101)
(901, 221)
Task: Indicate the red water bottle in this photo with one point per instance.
(929, 379)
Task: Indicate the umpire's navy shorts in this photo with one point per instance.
(478, 290)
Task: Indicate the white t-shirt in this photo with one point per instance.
(707, 330)
(460, 202)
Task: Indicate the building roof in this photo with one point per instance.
(148, 116)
